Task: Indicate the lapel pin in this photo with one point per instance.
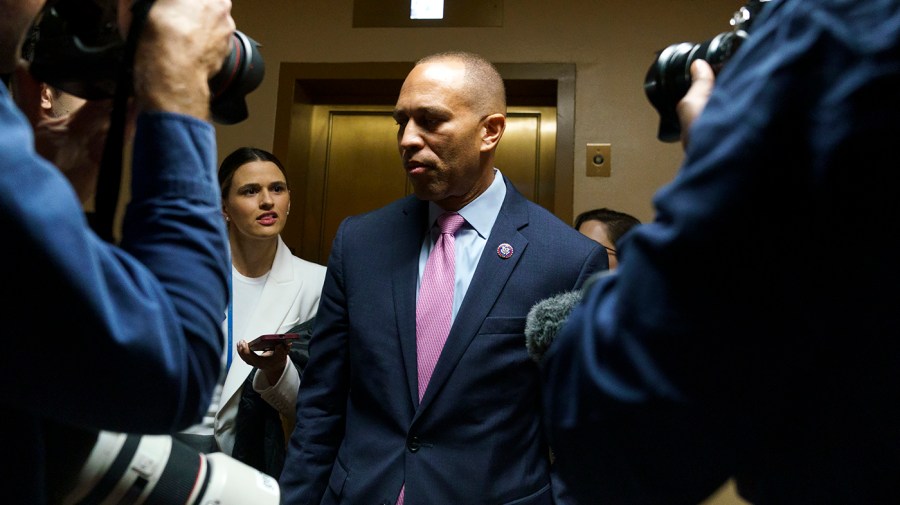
(505, 251)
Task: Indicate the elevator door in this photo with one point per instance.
(351, 165)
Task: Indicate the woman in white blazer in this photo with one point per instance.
(272, 292)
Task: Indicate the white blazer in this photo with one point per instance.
(290, 296)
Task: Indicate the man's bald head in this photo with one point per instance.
(486, 90)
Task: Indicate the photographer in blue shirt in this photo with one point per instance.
(100, 336)
(733, 340)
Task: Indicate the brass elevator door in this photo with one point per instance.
(347, 158)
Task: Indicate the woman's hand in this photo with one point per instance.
(271, 362)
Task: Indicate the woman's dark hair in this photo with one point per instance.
(240, 157)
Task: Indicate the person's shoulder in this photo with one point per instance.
(400, 205)
(387, 216)
(306, 266)
(541, 217)
(555, 233)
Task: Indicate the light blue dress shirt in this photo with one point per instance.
(480, 215)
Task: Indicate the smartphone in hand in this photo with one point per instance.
(269, 341)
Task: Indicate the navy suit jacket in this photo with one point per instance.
(477, 436)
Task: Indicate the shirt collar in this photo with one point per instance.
(481, 212)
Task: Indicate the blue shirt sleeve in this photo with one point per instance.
(123, 338)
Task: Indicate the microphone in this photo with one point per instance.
(547, 317)
(544, 321)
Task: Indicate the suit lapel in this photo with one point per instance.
(274, 303)
(489, 279)
(405, 273)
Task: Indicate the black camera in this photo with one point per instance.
(75, 46)
(669, 77)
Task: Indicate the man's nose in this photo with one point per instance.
(410, 135)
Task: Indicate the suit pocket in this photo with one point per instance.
(502, 326)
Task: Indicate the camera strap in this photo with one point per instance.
(109, 179)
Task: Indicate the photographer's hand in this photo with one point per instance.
(689, 108)
(183, 43)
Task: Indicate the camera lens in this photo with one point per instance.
(240, 74)
(666, 83)
(669, 77)
(152, 469)
(79, 51)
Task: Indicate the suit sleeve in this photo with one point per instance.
(322, 400)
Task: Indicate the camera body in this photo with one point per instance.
(669, 77)
(76, 47)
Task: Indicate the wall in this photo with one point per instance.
(612, 43)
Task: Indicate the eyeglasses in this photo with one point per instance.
(610, 250)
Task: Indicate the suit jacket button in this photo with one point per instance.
(413, 444)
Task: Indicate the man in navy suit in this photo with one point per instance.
(363, 434)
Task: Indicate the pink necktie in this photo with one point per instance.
(435, 305)
(434, 309)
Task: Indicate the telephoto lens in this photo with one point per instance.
(159, 470)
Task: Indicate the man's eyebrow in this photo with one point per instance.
(401, 116)
(436, 111)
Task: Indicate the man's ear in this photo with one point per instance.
(46, 98)
(493, 125)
